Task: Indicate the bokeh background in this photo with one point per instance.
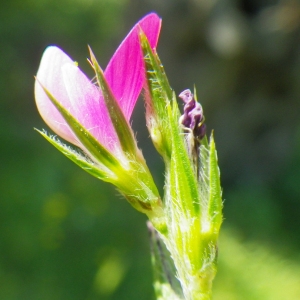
(65, 235)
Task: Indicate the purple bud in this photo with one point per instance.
(192, 117)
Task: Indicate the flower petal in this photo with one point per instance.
(50, 75)
(125, 72)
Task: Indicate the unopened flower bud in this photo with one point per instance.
(192, 117)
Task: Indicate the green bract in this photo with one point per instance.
(158, 94)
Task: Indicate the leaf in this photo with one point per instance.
(184, 185)
(158, 96)
(83, 162)
(215, 203)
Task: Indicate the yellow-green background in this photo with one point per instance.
(64, 235)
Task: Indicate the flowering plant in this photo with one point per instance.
(185, 223)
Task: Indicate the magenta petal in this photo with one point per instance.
(50, 76)
(125, 71)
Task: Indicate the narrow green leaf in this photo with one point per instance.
(97, 151)
(155, 70)
(203, 179)
(160, 95)
(79, 159)
(215, 203)
(181, 170)
(117, 117)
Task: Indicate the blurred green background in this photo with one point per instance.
(65, 235)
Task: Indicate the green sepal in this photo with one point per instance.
(138, 187)
(79, 159)
(215, 203)
(183, 183)
(160, 95)
(159, 77)
(93, 147)
(210, 186)
(123, 130)
(203, 178)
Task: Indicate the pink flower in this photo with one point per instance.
(96, 117)
(125, 75)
